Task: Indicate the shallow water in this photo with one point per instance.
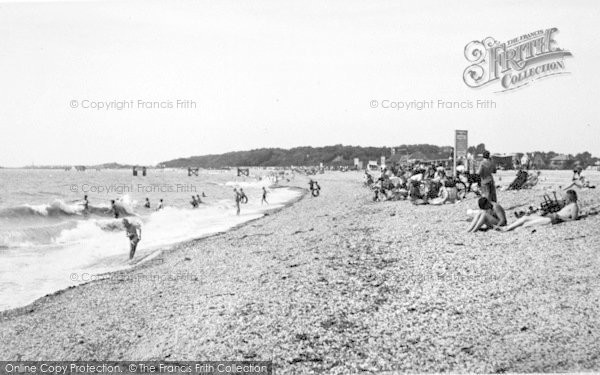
(49, 242)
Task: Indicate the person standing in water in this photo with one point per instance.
(243, 196)
(147, 204)
(264, 196)
(133, 231)
(194, 203)
(114, 209)
(237, 201)
(160, 205)
(86, 204)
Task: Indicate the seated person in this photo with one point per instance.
(569, 212)
(578, 180)
(491, 215)
(532, 180)
(440, 174)
(447, 194)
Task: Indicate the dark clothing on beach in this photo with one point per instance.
(488, 187)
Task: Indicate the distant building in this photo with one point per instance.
(560, 162)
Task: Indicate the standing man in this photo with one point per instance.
(134, 232)
(264, 196)
(485, 172)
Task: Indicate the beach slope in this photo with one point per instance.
(340, 284)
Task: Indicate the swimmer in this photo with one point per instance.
(134, 232)
(86, 203)
(114, 209)
(147, 204)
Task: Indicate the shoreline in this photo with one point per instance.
(147, 259)
(342, 284)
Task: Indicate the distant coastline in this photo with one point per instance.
(331, 156)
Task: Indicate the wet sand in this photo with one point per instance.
(340, 284)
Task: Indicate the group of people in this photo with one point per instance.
(399, 183)
(196, 201)
(240, 197)
(441, 189)
(491, 215)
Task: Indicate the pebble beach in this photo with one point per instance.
(340, 284)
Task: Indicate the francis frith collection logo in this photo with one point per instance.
(514, 63)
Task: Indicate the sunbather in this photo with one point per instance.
(491, 215)
(569, 212)
(578, 180)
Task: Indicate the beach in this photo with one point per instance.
(342, 284)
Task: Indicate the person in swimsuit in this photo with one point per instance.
(114, 209)
(194, 203)
(198, 199)
(147, 204)
(86, 203)
(243, 196)
(578, 180)
(447, 194)
(264, 196)
(160, 205)
(485, 171)
(569, 212)
(491, 215)
(237, 199)
(133, 231)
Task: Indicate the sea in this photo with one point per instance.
(49, 241)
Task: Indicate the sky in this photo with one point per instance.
(279, 73)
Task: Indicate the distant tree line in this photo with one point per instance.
(305, 156)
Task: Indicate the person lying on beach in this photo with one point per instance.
(491, 215)
(569, 212)
(133, 231)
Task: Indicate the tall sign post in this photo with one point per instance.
(461, 145)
